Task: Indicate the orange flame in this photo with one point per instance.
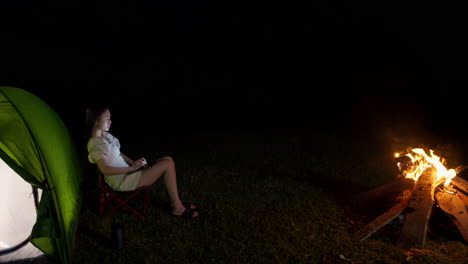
(420, 161)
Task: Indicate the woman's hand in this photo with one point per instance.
(138, 164)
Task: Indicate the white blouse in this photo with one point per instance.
(107, 147)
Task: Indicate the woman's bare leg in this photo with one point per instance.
(164, 167)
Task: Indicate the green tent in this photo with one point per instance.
(36, 145)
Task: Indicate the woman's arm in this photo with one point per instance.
(128, 160)
(108, 170)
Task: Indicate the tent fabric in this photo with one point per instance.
(37, 145)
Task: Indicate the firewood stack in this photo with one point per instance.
(415, 202)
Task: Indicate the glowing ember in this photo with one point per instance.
(420, 161)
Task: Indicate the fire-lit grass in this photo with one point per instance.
(263, 199)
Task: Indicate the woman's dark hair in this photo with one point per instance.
(92, 115)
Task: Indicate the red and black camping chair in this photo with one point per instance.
(137, 201)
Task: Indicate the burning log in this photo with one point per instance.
(413, 234)
(464, 199)
(425, 172)
(461, 184)
(417, 202)
(454, 205)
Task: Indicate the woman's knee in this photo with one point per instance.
(166, 160)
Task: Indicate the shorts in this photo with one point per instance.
(124, 182)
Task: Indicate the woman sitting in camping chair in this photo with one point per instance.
(122, 173)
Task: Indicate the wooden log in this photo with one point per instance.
(413, 233)
(460, 184)
(464, 198)
(454, 206)
(387, 192)
(384, 218)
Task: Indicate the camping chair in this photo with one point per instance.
(115, 199)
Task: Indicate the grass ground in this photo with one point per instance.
(265, 197)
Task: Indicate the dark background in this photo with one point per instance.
(185, 65)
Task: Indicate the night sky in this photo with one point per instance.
(242, 63)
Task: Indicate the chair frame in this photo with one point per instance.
(107, 195)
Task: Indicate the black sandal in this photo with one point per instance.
(188, 206)
(188, 213)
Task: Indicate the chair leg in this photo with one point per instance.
(146, 201)
(102, 202)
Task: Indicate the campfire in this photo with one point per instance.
(423, 182)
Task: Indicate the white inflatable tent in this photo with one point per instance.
(18, 215)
